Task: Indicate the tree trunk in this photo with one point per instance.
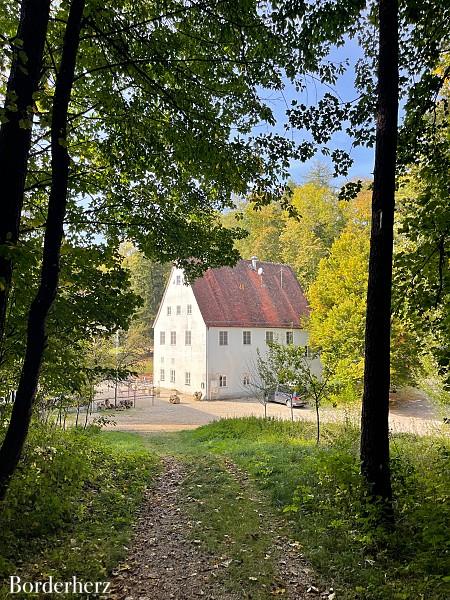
(15, 134)
(36, 329)
(375, 407)
(317, 421)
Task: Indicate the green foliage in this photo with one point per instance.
(301, 240)
(421, 273)
(263, 226)
(73, 496)
(321, 494)
(338, 306)
(94, 299)
(306, 240)
(148, 280)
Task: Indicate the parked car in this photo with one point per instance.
(284, 395)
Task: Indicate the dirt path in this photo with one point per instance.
(165, 561)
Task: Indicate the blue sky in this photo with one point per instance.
(363, 157)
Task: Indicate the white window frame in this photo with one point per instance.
(270, 334)
(189, 309)
(169, 311)
(178, 280)
(162, 338)
(178, 309)
(173, 338)
(245, 379)
(187, 337)
(289, 338)
(187, 378)
(308, 352)
(222, 381)
(162, 375)
(223, 338)
(246, 338)
(172, 375)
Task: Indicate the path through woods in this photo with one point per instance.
(174, 550)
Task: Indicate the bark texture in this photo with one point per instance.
(375, 409)
(15, 133)
(36, 328)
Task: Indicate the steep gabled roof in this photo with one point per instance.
(240, 297)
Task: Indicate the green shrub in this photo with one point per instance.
(320, 491)
(74, 495)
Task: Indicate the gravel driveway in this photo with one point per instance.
(408, 414)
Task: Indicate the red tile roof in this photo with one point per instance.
(240, 297)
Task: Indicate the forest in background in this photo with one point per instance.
(327, 245)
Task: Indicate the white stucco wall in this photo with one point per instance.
(180, 357)
(237, 359)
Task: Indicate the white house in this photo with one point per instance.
(207, 334)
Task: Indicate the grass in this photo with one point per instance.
(230, 522)
(70, 507)
(318, 492)
(229, 518)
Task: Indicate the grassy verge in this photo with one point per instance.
(319, 492)
(70, 507)
(232, 524)
(229, 518)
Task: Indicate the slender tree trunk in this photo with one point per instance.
(375, 408)
(317, 420)
(15, 133)
(36, 329)
(78, 412)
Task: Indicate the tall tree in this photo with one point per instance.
(375, 407)
(15, 133)
(16, 434)
(163, 186)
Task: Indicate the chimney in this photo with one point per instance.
(254, 259)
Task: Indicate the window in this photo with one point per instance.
(269, 337)
(178, 280)
(173, 338)
(222, 381)
(187, 338)
(187, 378)
(178, 310)
(162, 375)
(189, 309)
(172, 375)
(289, 337)
(308, 352)
(202, 385)
(246, 338)
(223, 338)
(162, 359)
(246, 379)
(162, 337)
(169, 310)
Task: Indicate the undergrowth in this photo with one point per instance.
(319, 491)
(71, 503)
